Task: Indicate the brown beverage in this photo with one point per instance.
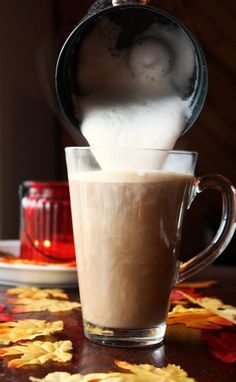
(127, 233)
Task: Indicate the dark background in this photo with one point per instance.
(33, 131)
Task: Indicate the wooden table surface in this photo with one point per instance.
(182, 346)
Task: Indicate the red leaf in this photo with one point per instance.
(177, 295)
(222, 346)
(5, 317)
(221, 321)
(2, 307)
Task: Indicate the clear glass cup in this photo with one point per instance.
(127, 209)
(45, 225)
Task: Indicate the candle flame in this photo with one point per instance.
(47, 243)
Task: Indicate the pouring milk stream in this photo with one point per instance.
(131, 76)
(136, 96)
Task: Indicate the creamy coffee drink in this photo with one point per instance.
(127, 233)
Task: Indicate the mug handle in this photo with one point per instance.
(226, 228)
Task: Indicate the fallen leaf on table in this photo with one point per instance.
(38, 352)
(37, 293)
(61, 376)
(27, 330)
(196, 318)
(222, 346)
(176, 294)
(5, 317)
(136, 373)
(215, 306)
(197, 284)
(52, 305)
(151, 373)
(2, 307)
(177, 297)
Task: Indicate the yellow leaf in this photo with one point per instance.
(215, 306)
(197, 318)
(27, 330)
(66, 377)
(37, 293)
(148, 372)
(52, 305)
(181, 310)
(38, 352)
(136, 373)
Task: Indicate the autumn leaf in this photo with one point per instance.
(5, 317)
(196, 284)
(38, 352)
(176, 294)
(215, 306)
(150, 373)
(37, 293)
(136, 373)
(222, 346)
(197, 318)
(27, 330)
(52, 305)
(189, 288)
(2, 307)
(61, 376)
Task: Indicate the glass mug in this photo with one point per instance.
(45, 224)
(127, 216)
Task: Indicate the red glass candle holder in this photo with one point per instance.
(45, 224)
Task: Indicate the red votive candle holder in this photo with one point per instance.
(46, 233)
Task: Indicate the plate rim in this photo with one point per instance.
(11, 273)
(39, 267)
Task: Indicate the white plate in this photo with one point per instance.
(30, 274)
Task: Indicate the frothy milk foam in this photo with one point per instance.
(136, 96)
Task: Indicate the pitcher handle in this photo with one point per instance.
(226, 228)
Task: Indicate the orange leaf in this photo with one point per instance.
(136, 373)
(195, 318)
(27, 330)
(215, 306)
(29, 305)
(197, 284)
(38, 352)
(37, 293)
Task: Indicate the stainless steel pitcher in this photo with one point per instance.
(132, 19)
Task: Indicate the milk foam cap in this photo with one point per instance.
(126, 53)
